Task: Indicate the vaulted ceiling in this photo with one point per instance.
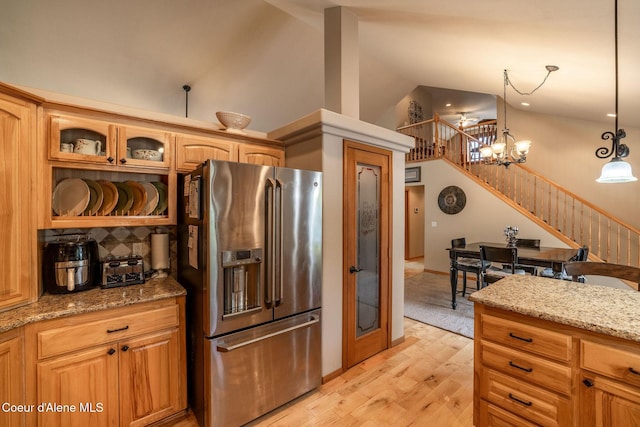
(265, 58)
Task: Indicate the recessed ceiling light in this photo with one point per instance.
(447, 105)
(611, 115)
(526, 104)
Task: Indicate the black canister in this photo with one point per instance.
(70, 264)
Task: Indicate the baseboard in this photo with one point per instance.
(397, 341)
(442, 273)
(332, 375)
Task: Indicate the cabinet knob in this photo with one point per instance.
(587, 382)
(125, 347)
(110, 159)
(123, 160)
(111, 351)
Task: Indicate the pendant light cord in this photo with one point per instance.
(616, 45)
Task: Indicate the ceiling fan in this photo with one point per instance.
(466, 121)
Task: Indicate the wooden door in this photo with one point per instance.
(18, 273)
(151, 384)
(88, 380)
(367, 232)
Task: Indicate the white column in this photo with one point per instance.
(341, 62)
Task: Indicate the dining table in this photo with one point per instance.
(543, 256)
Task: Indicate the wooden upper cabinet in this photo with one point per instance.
(260, 155)
(78, 139)
(18, 249)
(191, 151)
(144, 147)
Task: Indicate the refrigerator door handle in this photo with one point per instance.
(224, 348)
(278, 232)
(270, 241)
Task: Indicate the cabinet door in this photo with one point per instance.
(77, 139)
(260, 155)
(191, 151)
(17, 202)
(11, 390)
(144, 147)
(607, 403)
(87, 380)
(151, 378)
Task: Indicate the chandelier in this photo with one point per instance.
(506, 150)
(616, 170)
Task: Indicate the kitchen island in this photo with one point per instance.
(554, 352)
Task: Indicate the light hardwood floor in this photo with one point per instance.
(425, 381)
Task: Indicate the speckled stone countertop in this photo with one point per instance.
(601, 309)
(53, 306)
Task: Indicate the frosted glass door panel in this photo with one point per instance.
(368, 248)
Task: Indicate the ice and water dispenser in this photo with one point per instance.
(241, 280)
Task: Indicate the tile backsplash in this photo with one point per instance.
(118, 241)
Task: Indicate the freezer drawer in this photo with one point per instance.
(257, 370)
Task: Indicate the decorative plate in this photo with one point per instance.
(452, 200)
(70, 197)
(96, 197)
(152, 198)
(125, 199)
(162, 198)
(110, 197)
(139, 197)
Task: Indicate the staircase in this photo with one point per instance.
(567, 216)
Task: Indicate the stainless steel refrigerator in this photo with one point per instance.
(250, 257)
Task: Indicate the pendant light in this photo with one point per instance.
(506, 149)
(616, 170)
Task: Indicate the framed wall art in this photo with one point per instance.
(412, 174)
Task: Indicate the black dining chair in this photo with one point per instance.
(528, 243)
(578, 269)
(506, 258)
(467, 265)
(580, 256)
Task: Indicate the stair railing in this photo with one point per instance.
(568, 216)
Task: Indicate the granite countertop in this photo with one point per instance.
(54, 306)
(609, 311)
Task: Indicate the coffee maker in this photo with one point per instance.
(70, 264)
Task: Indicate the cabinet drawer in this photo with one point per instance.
(81, 334)
(612, 362)
(526, 367)
(525, 337)
(533, 403)
(491, 415)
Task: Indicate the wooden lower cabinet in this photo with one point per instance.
(530, 372)
(137, 378)
(11, 378)
(84, 385)
(149, 375)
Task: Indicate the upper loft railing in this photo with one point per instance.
(436, 138)
(569, 217)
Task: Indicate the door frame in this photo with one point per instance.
(386, 268)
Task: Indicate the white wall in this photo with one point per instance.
(316, 142)
(563, 150)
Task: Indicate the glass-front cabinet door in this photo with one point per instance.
(81, 140)
(144, 147)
